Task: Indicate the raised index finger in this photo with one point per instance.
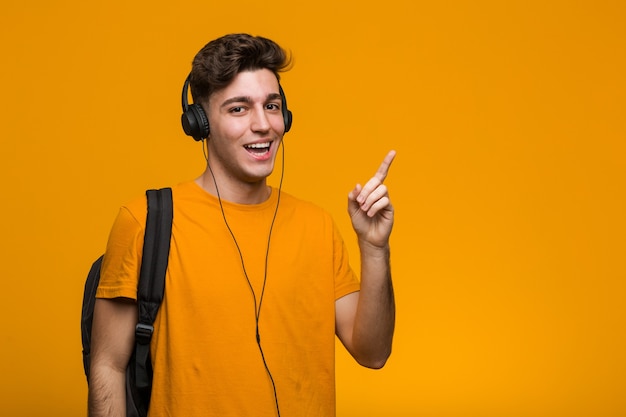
(381, 174)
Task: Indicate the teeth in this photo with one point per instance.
(259, 145)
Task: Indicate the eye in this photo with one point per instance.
(238, 109)
(272, 106)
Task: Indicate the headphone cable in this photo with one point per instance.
(257, 310)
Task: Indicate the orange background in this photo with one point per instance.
(509, 244)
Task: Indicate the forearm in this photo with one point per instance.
(375, 316)
(107, 392)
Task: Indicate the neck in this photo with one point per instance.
(241, 193)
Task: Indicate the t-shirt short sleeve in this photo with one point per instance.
(120, 267)
(346, 281)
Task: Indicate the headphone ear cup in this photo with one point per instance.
(288, 118)
(195, 122)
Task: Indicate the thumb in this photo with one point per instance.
(354, 205)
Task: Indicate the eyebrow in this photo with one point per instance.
(247, 99)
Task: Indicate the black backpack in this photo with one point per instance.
(149, 296)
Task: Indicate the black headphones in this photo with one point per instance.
(196, 123)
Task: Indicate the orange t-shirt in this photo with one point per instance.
(204, 349)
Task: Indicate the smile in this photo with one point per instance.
(258, 148)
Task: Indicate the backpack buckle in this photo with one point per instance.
(143, 333)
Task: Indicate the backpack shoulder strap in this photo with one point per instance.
(151, 285)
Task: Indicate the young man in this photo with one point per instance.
(258, 282)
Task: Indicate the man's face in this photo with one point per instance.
(246, 127)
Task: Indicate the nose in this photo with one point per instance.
(260, 122)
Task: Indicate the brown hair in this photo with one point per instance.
(219, 61)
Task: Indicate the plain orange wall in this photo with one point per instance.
(509, 244)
